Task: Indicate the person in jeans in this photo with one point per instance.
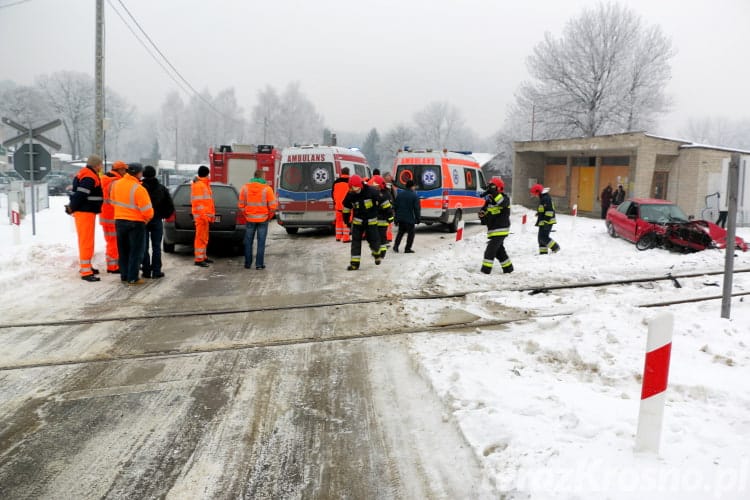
(132, 211)
(163, 208)
(258, 203)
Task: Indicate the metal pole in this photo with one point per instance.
(31, 175)
(732, 183)
(99, 81)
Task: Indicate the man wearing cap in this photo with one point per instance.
(202, 205)
(107, 216)
(163, 208)
(85, 203)
(132, 211)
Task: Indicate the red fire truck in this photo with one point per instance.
(236, 164)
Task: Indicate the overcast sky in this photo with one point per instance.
(367, 64)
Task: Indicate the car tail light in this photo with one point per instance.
(171, 218)
(240, 219)
(445, 200)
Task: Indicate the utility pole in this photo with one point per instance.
(732, 183)
(99, 82)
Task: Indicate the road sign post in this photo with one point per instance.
(26, 156)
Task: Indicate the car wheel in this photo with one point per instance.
(647, 241)
(611, 229)
(292, 230)
(453, 226)
(168, 247)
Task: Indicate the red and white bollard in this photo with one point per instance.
(460, 230)
(655, 376)
(574, 213)
(523, 223)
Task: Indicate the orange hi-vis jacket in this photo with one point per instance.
(340, 190)
(107, 215)
(202, 199)
(131, 200)
(257, 201)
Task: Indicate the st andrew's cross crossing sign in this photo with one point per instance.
(32, 161)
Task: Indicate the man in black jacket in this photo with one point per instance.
(363, 203)
(163, 206)
(407, 216)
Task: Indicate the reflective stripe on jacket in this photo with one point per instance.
(131, 200)
(257, 201)
(107, 216)
(545, 212)
(87, 191)
(202, 199)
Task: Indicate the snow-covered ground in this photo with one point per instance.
(550, 403)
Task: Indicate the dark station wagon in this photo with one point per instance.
(227, 232)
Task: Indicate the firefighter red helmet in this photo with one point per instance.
(355, 181)
(536, 189)
(498, 182)
(378, 179)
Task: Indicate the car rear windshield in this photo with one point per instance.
(306, 176)
(424, 176)
(662, 213)
(224, 196)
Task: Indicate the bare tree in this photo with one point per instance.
(119, 115)
(438, 125)
(25, 105)
(298, 121)
(370, 148)
(718, 131)
(265, 120)
(170, 123)
(606, 74)
(394, 140)
(71, 95)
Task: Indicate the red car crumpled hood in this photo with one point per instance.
(719, 235)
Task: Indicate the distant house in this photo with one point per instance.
(576, 170)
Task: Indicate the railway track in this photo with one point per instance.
(452, 326)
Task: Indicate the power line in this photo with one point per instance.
(148, 50)
(195, 92)
(14, 3)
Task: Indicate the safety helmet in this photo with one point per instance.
(536, 189)
(378, 180)
(355, 181)
(498, 182)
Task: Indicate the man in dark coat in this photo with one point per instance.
(163, 206)
(407, 216)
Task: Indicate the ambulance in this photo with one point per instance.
(304, 184)
(449, 184)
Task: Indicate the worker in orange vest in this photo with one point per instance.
(258, 203)
(107, 216)
(340, 189)
(85, 203)
(133, 210)
(202, 203)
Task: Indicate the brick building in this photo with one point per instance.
(647, 166)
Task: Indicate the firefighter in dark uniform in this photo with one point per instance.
(495, 214)
(360, 210)
(545, 219)
(385, 213)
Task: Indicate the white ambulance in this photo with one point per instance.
(305, 180)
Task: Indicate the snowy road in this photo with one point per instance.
(181, 407)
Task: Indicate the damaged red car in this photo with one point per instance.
(650, 223)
